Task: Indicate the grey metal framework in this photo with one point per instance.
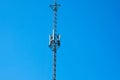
(54, 38)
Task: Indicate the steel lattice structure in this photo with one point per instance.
(54, 38)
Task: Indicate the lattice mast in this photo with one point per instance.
(54, 38)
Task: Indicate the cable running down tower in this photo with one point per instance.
(54, 38)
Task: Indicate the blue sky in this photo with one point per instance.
(90, 40)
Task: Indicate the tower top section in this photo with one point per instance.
(54, 38)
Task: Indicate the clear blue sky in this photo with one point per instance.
(90, 40)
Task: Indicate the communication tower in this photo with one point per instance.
(54, 38)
